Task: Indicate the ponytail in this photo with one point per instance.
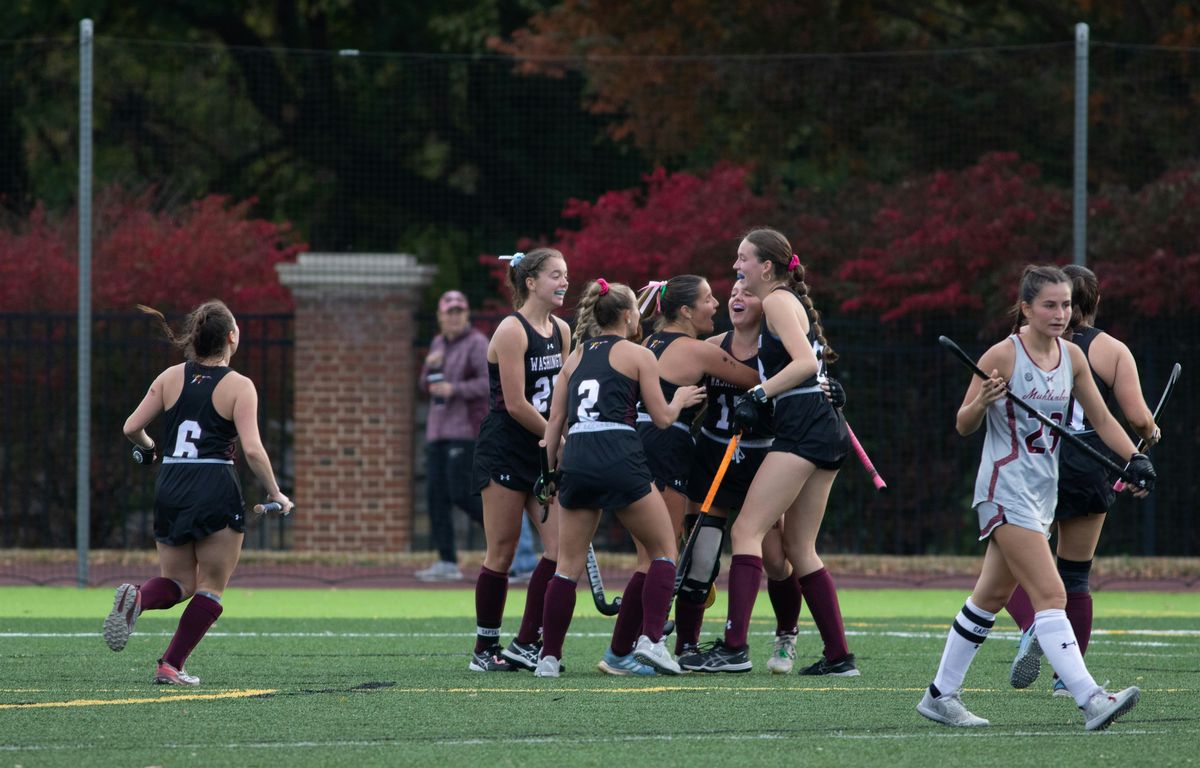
(204, 330)
(772, 246)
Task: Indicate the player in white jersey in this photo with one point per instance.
(1016, 507)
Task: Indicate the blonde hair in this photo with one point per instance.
(597, 309)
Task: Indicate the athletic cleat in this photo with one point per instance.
(655, 655)
(716, 657)
(1103, 709)
(612, 664)
(523, 655)
(1028, 662)
(843, 667)
(490, 659)
(1060, 688)
(783, 655)
(547, 666)
(948, 710)
(168, 675)
(127, 606)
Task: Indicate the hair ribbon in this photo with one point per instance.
(654, 289)
(600, 281)
(514, 259)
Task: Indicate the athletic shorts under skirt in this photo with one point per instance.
(506, 453)
(809, 427)
(1084, 486)
(603, 470)
(194, 501)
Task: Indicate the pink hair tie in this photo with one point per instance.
(600, 281)
(795, 262)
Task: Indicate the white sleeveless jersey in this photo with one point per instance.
(1019, 468)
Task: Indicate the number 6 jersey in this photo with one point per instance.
(196, 433)
(1019, 467)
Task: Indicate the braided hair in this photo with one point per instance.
(770, 245)
(601, 305)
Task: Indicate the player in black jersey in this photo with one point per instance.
(524, 357)
(1085, 488)
(795, 478)
(745, 313)
(603, 467)
(685, 307)
(198, 509)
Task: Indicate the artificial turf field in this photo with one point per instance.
(378, 677)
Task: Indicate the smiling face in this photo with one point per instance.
(550, 284)
(1050, 310)
(752, 271)
(704, 309)
(745, 309)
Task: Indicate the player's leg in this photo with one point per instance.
(502, 510)
(702, 566)
(575, 530)
(216, 558)
(783, 589)
(526, 646)
(177, 564)
(800, 534)
(649, 522)
(1077, 541)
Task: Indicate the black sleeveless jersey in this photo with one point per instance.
(196, 433)
(543, 361)
(597, 391)
(1076, 421)
(720, 394)
(773, 356)
(658, 343)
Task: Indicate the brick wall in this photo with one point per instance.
(355, 372)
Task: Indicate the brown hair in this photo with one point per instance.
(1033, 279)
(596, 311)
(678, 292)
(770, 245)
(529, 265)
(1085, 295)
(205, 329)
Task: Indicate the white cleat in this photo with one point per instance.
(656, 655)
(1103, 709)
(783, 655)
(547, 666)
(118, 626)
(948, 709)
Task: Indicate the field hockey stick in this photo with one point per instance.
(270, 506)
(597, 584)
(866, 461)
(545, 460)
(1141, 446)
(686, 557)
(1053, 426)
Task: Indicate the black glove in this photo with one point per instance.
(837, 393)
(147, 457)
(1142, 470)
(749, 410)
(546, 486)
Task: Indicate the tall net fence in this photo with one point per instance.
(454, 158)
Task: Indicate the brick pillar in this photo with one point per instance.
(355, 375)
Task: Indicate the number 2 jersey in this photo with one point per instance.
(506, 452)
(603, 462)
(1019, 467)
(197, 491)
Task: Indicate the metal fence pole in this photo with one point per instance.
(1079, 203)
(84, 417)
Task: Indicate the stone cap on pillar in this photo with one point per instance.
(357, 273)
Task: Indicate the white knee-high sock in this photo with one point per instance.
(967, 633)
(1057, 638)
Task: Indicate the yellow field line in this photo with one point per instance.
(240, 694)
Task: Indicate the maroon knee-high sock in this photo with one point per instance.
(745, 577)
(159, 593)
(1020, 607)
(201, 612)
(629, 616)
(1079, 613)
(535, 599)
(785, 599)
(557, 611)
(656, 598)
(688, 618)
(822, 599)
(491, 590)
